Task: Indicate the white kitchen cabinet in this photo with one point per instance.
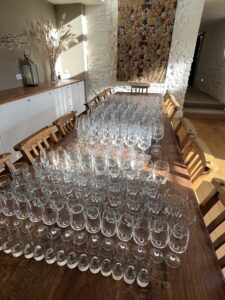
(42, 110)
(78, 97)
(21, 118)
(14, 125)
(63, 100)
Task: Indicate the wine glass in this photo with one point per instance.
(178, 243)
(157, 135)
(159, 239)
(141, 236)
(160, 171)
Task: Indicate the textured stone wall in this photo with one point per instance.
(102, 48)
(210, 75)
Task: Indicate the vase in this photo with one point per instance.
(53, 76)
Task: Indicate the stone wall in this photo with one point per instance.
(210, 75)
(102, 48)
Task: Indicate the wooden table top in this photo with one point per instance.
(198, 278)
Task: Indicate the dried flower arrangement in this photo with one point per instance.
(54, 40)
(11, 41)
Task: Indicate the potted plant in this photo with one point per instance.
(54, 40)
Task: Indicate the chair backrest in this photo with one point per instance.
(6, 163)
(218, 195)
(37, 142)
(91, 104)
(104, 95)
(197, 157)
(139, 89)
(97, 99)
(171, 104)
(183, 130)
(66, 123)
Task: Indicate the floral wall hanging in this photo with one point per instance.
(145, 30)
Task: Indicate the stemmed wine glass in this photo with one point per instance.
(157, 135)
(159, 239)
(178, 242)
(141, 236)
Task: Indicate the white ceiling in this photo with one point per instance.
(214, 10)
(85, 2)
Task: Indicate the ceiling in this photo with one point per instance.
(214, 11)
(85, 2)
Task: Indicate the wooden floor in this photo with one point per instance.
(212, 132)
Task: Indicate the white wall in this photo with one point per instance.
(102, 47)
(210, 74)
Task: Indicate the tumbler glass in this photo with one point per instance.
(106, 267)
(160, 171)
(143, 277)
(77, 216)
(35, 209)
(49, 213)
(125, 227)
(28, 239)
(8, 204)
(16, 238)
(63, 216)
(130, 272)
(115, 198)
(117, 270)
(113, 167)
(40, 234)
(108, 222)
(92, 219)
(21, 206)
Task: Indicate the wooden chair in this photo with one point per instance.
(97, 99)
(91, 104)
(37, 142)
(217, 196)
(104, 95)
(183, 130)
(66, 123)
(197, 157)
(139, 88)
(6, 163)
(171, 105)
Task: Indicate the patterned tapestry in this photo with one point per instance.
(145, 30)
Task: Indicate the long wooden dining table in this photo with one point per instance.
(198, 278)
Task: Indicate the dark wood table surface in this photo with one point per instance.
(198, 278)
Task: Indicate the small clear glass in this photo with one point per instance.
(129, 273)
(108, 222)
(125, 227)
(77, 215)
(92, 219)
(160, 171)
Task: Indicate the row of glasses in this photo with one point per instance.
(128, 225)
(127, 123)
(65, 247)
